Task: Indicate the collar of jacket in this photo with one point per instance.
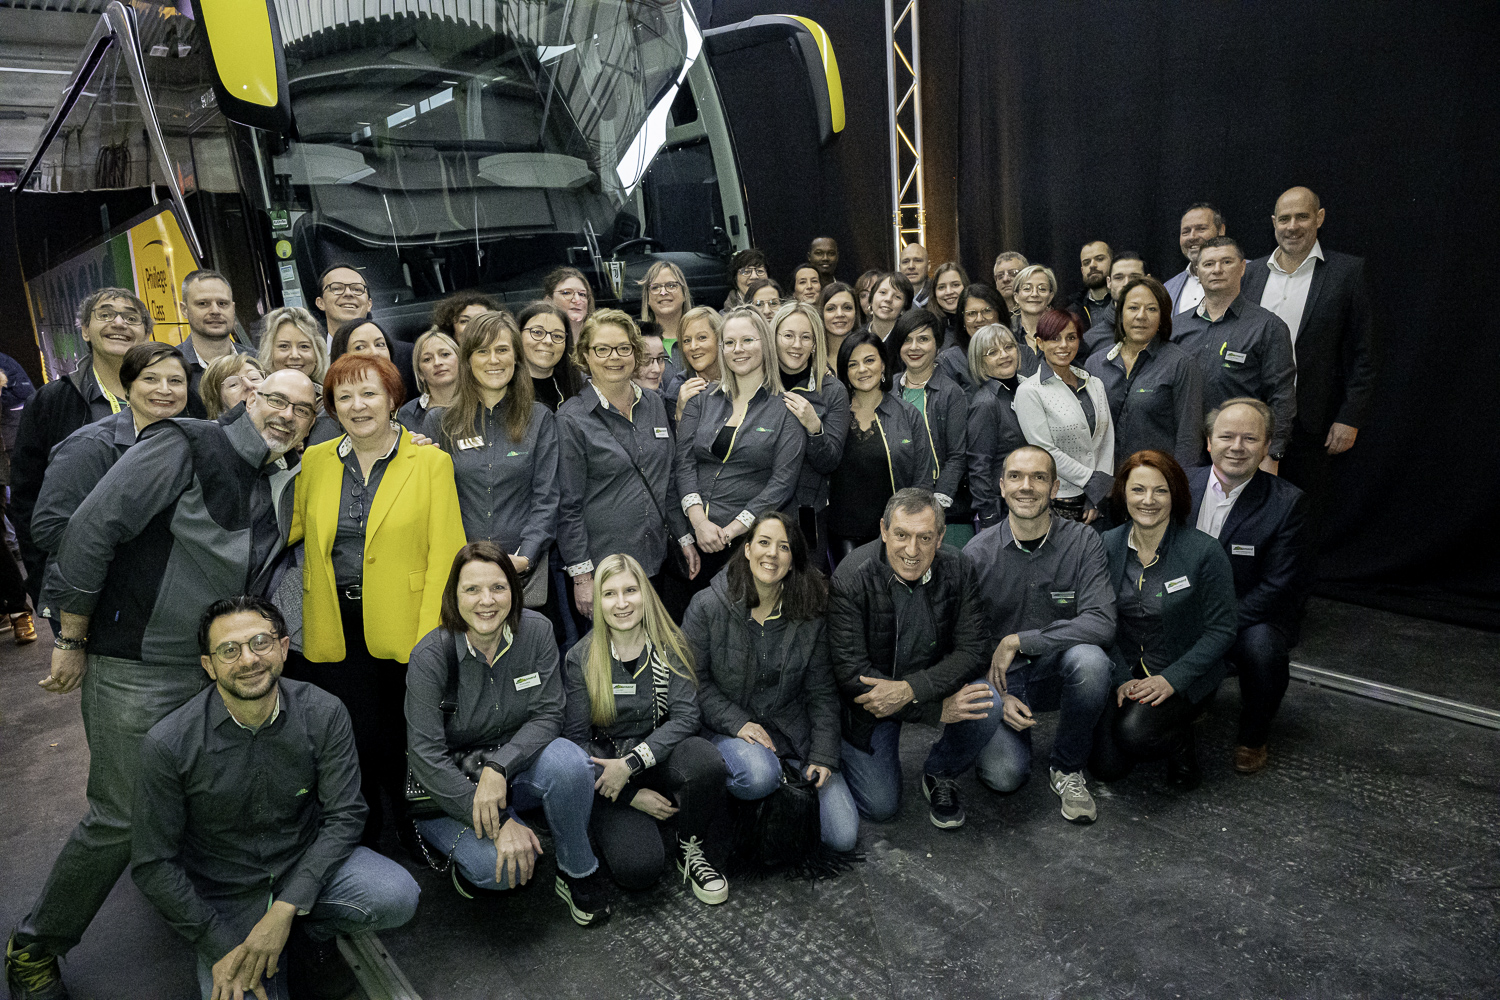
(83, 376)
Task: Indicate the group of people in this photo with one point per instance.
(616, 570)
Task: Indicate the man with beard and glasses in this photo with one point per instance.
(1094, 262)
(195, 512)
(1049, 605)
(250, 791)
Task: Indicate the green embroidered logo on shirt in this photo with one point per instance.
(763, 430)
(301, 791)
(514, 454)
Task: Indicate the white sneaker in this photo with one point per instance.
(708, 884)
(1077, 803)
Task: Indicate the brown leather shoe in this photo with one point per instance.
(1248, 760)
(25, 628)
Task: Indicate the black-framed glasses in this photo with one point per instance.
(663, 287)
(540, 335)
(603, 351)
(277, 401)
(129, 317)
(260, 644)
(655, 360)
(340, 287)
(753, 271)
(357, 503)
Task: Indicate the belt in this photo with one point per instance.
(354, 593)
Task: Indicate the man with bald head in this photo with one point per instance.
(196, 511)
(1322, 297)
(913, 265)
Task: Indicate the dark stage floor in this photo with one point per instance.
(1362, 863)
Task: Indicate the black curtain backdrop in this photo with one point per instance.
(1103, 121)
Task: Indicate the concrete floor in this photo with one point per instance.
(1362, 863)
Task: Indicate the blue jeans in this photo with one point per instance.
(562, 783)
(367, 893)
(1084, 674)
(875, 778)
(122, 700)
(755, 772)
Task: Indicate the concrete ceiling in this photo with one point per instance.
(40, 42)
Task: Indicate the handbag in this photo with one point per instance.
(534, 583)
(419, 801)
(784, 829)
(674, 551)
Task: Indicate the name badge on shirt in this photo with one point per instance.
(1234, 356)
(1063, 595)
(1181, 583)
(1242, 550)
(661, 432)
(624, 689)
(534, 680)
(466, 443)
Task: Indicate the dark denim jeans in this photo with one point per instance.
(755, 772)
(1261, 657)
(1084, 673)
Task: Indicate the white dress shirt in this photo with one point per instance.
(1217, 504)
(1191, 294)
(1286, 291)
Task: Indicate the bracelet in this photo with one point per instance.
(70, 644)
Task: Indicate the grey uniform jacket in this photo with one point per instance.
(945, 421)
(605, 506)
(511, 710)
(1159, 405)
(507, 490)
(634, 695)
(759, 473)
(1245, 352)
(830, 401)
(994, 432)
(806, 709)
(907, 447)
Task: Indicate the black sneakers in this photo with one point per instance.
(316, 969)
(32, 976)
(947, 812)
(587, 897)
(708, 884)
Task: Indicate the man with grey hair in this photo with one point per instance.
(1007, 265)
(112, 321)
(908, 644)
(1241, 348)
(1050, 610)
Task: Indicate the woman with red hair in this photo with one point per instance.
(1063, 409)
(379, 521)
(1176, 616)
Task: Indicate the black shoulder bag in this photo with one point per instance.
(674, 550)
(419, 801)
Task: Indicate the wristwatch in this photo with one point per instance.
(70, 644)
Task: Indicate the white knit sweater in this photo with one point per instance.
(1052, 418)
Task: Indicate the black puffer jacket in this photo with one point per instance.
(807, 705)
(863, 632)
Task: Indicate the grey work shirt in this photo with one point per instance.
(824, 450)
(356, 496)
(1159, 405)
(759, 471)
(510, 709)
(1138, 604)
(916, 635)
(507, 490)
(994, 432)
(605, 506)
(766, 639)
(223, 811)
(1054, 597)
(636, 719)
(1245, 352)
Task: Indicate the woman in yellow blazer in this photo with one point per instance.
(379, 521)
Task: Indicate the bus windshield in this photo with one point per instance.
(435, 126)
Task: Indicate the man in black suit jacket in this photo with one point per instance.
(1260, 520)
(1321, 296)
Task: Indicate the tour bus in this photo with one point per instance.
(435, 145)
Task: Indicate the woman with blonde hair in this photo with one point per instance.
(292, 338)
(435, 364)
(229, 381)
(666, 299)
(699, 357)
(632, 703)
(739, 448)
(1035, 288)
(819, 401)
(504, 449)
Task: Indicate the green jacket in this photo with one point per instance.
(1199, 621)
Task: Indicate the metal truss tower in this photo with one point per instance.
(903, 70)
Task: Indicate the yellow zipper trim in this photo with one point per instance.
(723, 461)
(890, 466)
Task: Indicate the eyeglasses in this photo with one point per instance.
(539, 335)
(357, 502)
(129, 317)
(277, 401)
(656, 360)
(572, 293)
(1008, 274)
(260, 644)
(976, 314)
(768, 304)
(603, 351)
(663, 287)
(753, 271)
(337, 288)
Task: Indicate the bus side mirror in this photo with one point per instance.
(244, 43)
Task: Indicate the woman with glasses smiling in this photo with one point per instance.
(569, 290)
(665, 299)
(617, 465)
(378, 517)
(744, 267)
(549, 354)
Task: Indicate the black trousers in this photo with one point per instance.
(1308, 466)
(374, 692)
(1261, 656)
(839, 546)
(630, 842)
(1131, 733)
